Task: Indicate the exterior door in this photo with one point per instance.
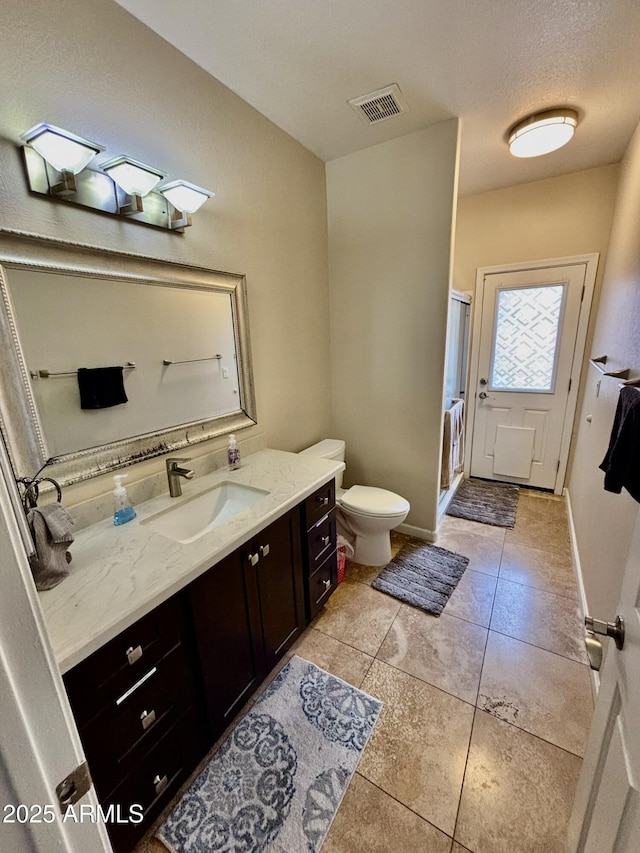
(606, 812)
(529, 322)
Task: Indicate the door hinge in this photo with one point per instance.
(569, 388)
(584, 287)
(74, 786)
(558, 466)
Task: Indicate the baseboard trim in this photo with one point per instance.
(577, 567)
(418, 532)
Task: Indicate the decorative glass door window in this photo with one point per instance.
(526, 338)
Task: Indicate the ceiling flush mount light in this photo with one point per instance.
(61, 165)
(542, 132)
(135, 178)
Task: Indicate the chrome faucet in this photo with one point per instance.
(174, 473)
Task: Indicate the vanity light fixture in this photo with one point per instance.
(61, 165)
(135, 178)
(65, 152)
(542, 132)
(185, 197)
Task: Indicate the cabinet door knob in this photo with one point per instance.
(323, 501)
(133, 654)
(254, 559)
(327, 583)
(147, 718)
(264, 550)
(325, 540)
(160, 783)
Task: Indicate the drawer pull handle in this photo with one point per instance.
(160, 783)
(323, 501)
(325, 540)
(147, 718)
(264, 550)
(327, 584)
(254, 559)
(138, 683)
(133, 654)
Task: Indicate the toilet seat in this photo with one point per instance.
(373, 502)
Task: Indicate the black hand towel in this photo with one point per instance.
(101, 387)
(621, 465)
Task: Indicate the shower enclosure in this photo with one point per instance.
(455, 380)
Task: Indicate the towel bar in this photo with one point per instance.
(216, 357)
(45, 374)
(599, 364)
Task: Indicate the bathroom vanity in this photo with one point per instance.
(161, 642)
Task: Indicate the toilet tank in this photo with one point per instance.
(329, 448)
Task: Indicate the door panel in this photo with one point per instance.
(606, 812)
(227, 623)
(528, 328)
(279, 574)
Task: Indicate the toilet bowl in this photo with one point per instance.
(366, 514)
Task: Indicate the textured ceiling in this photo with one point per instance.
(490, 62)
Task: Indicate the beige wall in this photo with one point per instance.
(390, 210)
(569, 215)
(554, 218)
(604, 522)
(94, 69)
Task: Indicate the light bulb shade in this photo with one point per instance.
(185, 196)
(65, 151)
(542, 133)
(134, 177)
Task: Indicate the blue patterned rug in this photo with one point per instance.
(276, 782)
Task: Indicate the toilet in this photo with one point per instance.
(365, 513)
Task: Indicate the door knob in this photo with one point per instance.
(594, 651)
(483, 381)
(615, 630)
(483, 395)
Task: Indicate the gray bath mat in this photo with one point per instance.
(486, 502)
(422, 575)
(276, 782)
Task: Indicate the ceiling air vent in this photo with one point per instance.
(381, 105)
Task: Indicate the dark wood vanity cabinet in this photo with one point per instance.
(248, 610)
(151, 702)
(139, 708)
(320, 548)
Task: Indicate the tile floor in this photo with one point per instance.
(487, 707)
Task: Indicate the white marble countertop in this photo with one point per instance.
(119, 574)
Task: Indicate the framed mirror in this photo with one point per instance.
(167, 344)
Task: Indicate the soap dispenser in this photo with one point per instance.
(122, 509)
(233, 453)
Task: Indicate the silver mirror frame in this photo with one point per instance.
(19, 421)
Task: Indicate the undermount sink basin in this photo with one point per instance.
(193, 517)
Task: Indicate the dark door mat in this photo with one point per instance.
(422, 575)
(486, 502)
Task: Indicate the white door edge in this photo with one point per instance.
(39, 741)
(590, 262)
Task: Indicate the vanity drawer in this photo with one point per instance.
(321, 541)
(319, 503)
(322, 583)
(112, 670)
(155, 780)
(115, 739)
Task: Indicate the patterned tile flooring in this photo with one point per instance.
(487, 707)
